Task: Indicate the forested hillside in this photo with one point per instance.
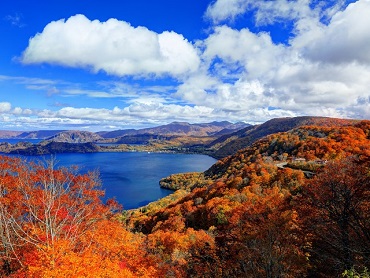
(262, 221)
(230, 144)
(249, 215)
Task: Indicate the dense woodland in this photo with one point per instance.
(247, 216)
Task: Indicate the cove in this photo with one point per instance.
(132, 178)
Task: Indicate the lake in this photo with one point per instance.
(133, 177)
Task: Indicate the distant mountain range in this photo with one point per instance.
(217, 139)
(172, 129)
(39, 134)
(179, 129)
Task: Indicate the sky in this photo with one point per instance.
(118, 64)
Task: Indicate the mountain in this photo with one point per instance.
(205, 129)
(240, 139)
(115, 133)
(248, 216)
(174, 134)
(218, 139)
(7, 134)
(142, 139)
(179, 129)
(40, 134)
(75, 136)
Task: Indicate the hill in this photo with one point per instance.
(115, 133)
(252, 214)
(260, 218)
(6, 134)
(74, 136)
(55, 147)
(39, 134)
(143, 139)
(229, 144)
(176, 136)
(179, 129)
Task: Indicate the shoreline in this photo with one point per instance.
(42, 148)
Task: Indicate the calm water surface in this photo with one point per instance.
(133, 178)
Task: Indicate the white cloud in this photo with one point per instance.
(233, 74)
(268, 12)
(5, 107)
(113, 46)
(136, 115)
(17, 111)
(239, 96)
(222, 10)
(323, 70)
(256, 53)
(345, 40)
(265, 11)
(361, 108)
(89, 93)
(27, 111)
(15, 20)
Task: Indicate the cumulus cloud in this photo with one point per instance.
(143, 114)
(346, 39)
(222, 10)
(139, 113)
(268, 12)
(361, 108)
(136, 115)
(113, 46)
(256, 53)
(5, 107)
(17, 111)
(323, 70)
(234, 74)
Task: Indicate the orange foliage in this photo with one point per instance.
(247, 216)
(185, 254)
(53, 224)
(335, 208)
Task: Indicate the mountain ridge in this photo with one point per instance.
(245, 137)
(217, 139)
(179, 129)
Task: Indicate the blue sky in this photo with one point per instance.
(103, 65)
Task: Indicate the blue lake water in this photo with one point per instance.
(133, 177)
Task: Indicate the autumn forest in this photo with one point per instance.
(291, 204)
